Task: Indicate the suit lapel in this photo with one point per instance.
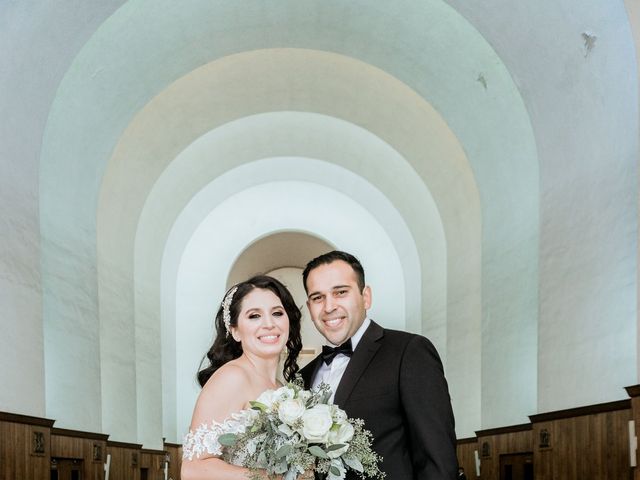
(310, 371)
(362, 356)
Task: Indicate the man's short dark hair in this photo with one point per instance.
(331, 257)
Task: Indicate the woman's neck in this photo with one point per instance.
(265, 368)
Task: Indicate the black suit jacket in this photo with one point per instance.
(395, 383)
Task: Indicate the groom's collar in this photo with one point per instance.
(360, 332)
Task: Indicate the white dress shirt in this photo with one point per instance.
(332, 374)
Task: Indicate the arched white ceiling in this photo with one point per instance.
(581, 104)
(266, 254)
(315, 135)
(502, 110)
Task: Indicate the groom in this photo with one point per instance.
(392, 380)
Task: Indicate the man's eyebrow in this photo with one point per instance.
(336, 287)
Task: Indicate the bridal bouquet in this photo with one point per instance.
(293, 430)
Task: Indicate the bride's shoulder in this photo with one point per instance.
(226, 391)
(231, 373)
(227, 379)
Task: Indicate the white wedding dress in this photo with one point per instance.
(204, 440)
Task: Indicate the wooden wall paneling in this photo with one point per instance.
(175, 459)
(585, 443)
(466, 456)
(577, 444)
(486, 451)
(25, 447)
(500, 441)
(38, 462)
(634, 392)
(90, 447)
(153, 461)
(125, 460)
(635, 407)
(95, 454)
(67, 447)
(543, 437)
(145, 459)
(11, 449)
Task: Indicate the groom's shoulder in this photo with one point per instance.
(402, 338)
(398, 336)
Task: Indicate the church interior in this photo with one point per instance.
(479, 158)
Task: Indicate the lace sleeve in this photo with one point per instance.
(204, 440)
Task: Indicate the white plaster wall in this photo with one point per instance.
(633, 11)
(33, 59)
(583, 106)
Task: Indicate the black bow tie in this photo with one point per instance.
(329, 353)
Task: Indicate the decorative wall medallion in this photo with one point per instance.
(545, 438)
(38, 446)
(486, 450)
(97, 452)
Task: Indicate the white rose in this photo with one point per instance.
(267, 398)
(304, 395)
(290, 410)
(317, 423)
(339, 415)
(342, 435)
(284, 393)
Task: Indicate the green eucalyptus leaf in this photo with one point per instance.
(353, 463)
(283, 451)
(255, 405)
(336, 446)
(262, 459)
(228, 439)
(281, 467)
(334, 471)
(292, 474)
(317, 452)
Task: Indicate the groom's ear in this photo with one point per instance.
(366, 294)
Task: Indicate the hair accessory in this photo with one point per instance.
(226, 312)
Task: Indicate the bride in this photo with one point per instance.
(255, 322)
